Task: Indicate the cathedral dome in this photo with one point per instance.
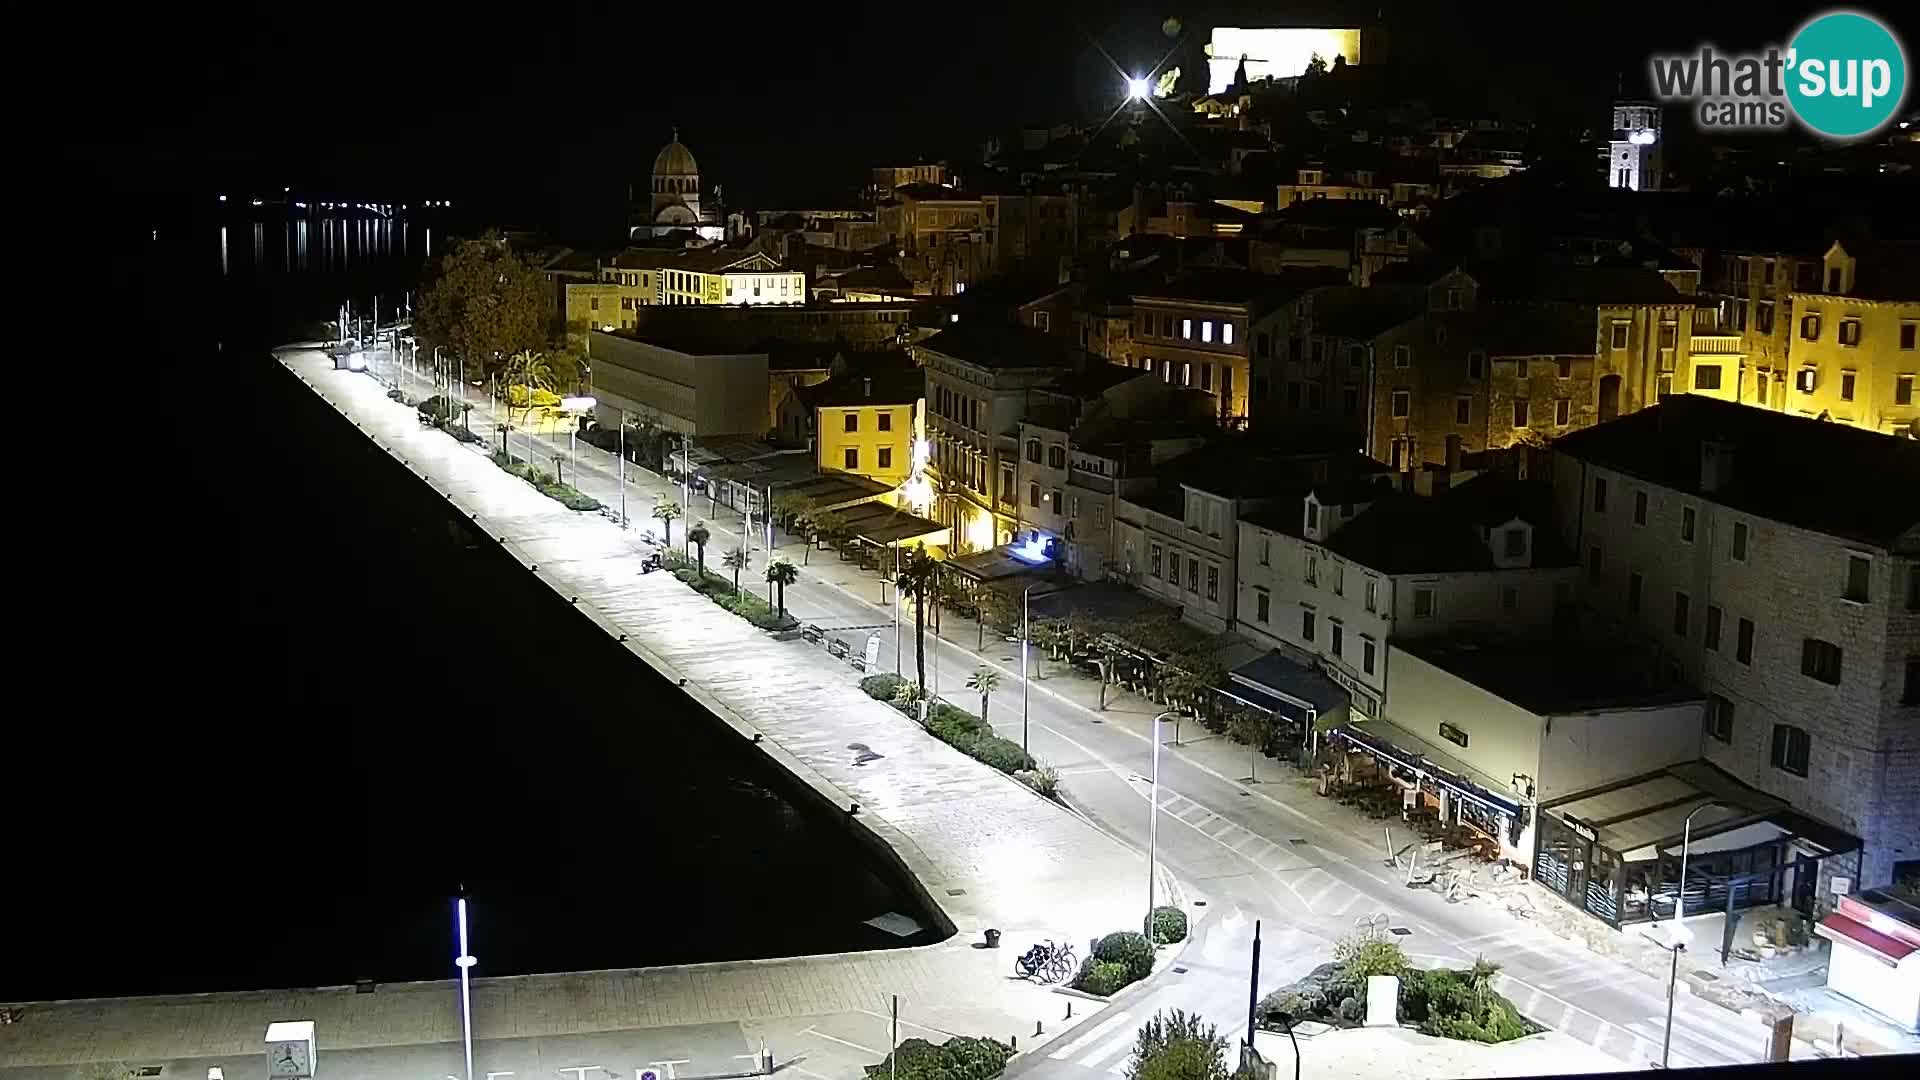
(675, 160)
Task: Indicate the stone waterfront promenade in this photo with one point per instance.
(986, 851)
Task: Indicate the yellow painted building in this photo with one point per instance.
(702, 276)
(1854, 357)
(868, 424)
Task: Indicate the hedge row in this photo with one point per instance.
(960, 729)
(1119, 960)
(720, 590)
(544, 483)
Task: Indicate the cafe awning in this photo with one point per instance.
(1292, 690)
(1402, 748)
(1643, 817)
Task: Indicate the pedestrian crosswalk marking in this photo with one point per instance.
(1118, 1044)
(1100, 1029)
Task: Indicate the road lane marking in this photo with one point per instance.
(842, 1042)
(1099, 1030)
(903, 1023)
(1117, 1044)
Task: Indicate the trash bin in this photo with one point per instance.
(993, 939)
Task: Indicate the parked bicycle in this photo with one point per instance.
(1046, 963)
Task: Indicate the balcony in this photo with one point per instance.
(1715, 344)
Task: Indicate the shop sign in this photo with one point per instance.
(1581, 829)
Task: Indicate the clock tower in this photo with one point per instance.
(1633, 154)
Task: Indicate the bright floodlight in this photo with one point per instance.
(1138, 88)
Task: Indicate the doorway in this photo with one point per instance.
(1609, 397)
(1806, 876)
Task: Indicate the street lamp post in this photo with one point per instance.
(571, 405)
(1677, 933)
(1153, 822)
(465, 962)
(1026, 625)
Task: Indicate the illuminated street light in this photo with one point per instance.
(1026, 628)
(1138, 89)
(1153, 821)
(223, 198)
(575, 405)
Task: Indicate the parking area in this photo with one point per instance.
(836, 1046)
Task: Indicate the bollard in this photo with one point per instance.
(1036, 1029)
(1069, 1015)
(1014, 1040)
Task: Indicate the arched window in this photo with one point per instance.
(1033, 451)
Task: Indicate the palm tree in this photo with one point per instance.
(666, 510)
(919, 574)
(698, 537)
(737, 560)
(985, 681)
(1480, 980)
(531, 370)
(782, 573)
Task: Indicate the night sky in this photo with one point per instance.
(544, 118)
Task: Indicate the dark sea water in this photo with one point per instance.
(295, 705)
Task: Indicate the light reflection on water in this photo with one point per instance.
(345, 243)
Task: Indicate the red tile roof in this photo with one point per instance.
(1890, 949)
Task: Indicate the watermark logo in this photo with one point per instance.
(1843, 76)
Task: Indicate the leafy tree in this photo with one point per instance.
(698, 537)
(802, 525)
(484, 302)
(533, 374)
(791, 507)
(984, 681)
(782, 573)
(1251, 728)
(829, 525)
(1176, 1045)
(994, 607)
(737, 560)
(665, 509)
(919, 574)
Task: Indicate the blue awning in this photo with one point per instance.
(1292, 710)
(1285, 680)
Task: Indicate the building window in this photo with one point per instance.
(1681, 613)
(1422, 603)
(1763, 316)
(1810, 327)
(1033, 494)
(1356, 356)
(852, 457)
(1599, 495)
(1849, 332)
(1193, 575)
(1033, 451)
(1509, 597)
(1213, 583)
(1639, 508)
(1719, 718)
(1312, 574)
(1402, 404)
(1910, 693)
(852, 421)
(1366, 655)
(1153, 560)
(1186, 329)
(1043, 321)
(1563, 411)
(1740, 541)
(1339, 578)
(1743, 643)
(1373, 595)
(1790, 745)
(1706, 377)
(1713, 627)
(1057, 500)
(1306, 624)
(1403, 356)
(1903, 389)
(1846, 385)
(1634, 582)
(1262, 605)
(1859, 569)
(1339, 637)
(1206, 377)
(1463, 410)
(1820, 660)
(1519, 412)
(886, 421)
(1806, 379)
(1173, 569)
(1515, 541)
(1476, 364)
(1669, 334)
(1206, 330)
(1907, 333)
(1686, 524)
(886, 457)
(1619, 335)
(1563, 367)
(1056, 457)
(1593, 564)
(1350, 399)
(1266, 551)
(1453, 734)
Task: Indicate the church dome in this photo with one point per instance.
(675, 160)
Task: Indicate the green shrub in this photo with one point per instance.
(1041, 778)
(1129, 948)
(958, 718)
(881, 687)
(1169, 924)
(1176, 1045)
(1360, 956)
(1002, 754)
(1101, 977)
(959, 1058)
